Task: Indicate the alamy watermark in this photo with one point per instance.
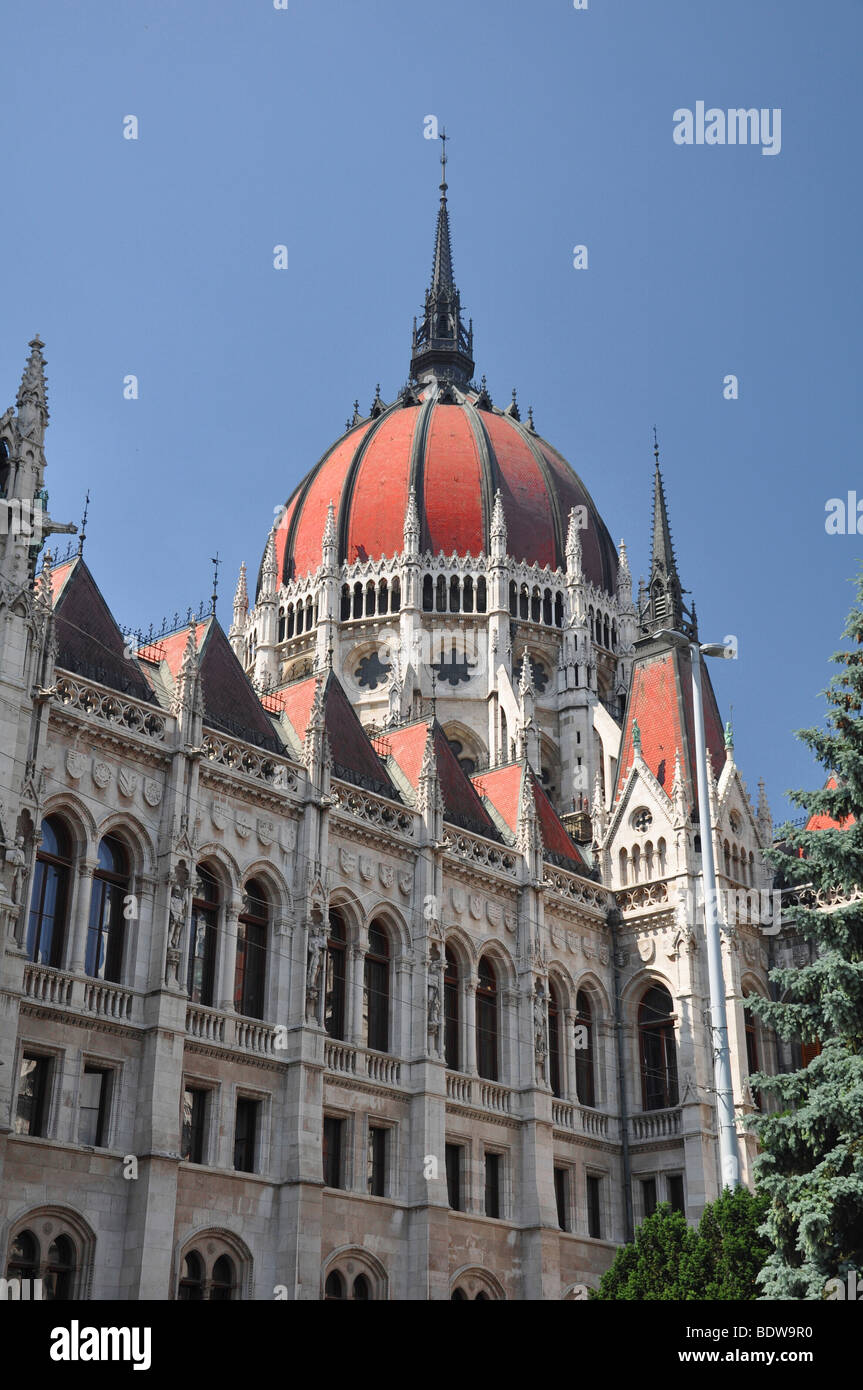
(737, 126)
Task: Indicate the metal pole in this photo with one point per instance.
(728, 1149)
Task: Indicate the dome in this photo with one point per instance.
(456, 450)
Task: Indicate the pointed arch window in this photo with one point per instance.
(428, 593)
(585, 1084)
(658, 1049)
(59, 1272)
(191, 1288)
(440, 600)
(468, 594)
(452, 1011)
(376, 991)
(49, 903)
(487, 1040)
(223, 1281)
(480, 594)
(202, 940)
(107, 927)
(250, 973)
(555, 1059)
(753, 1061)
(513, 609)
(395, 596)
(336, 993)
(334, 1288)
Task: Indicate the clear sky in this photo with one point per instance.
(304, 127)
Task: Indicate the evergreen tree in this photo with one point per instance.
(668, 1260)
(811, 1164)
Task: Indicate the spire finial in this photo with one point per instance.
(442, 345)
(216, 563)
(83, 536)
(443, 139)
(655, 446)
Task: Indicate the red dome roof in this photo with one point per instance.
(456, 454)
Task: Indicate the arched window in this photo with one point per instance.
(546, 607)
(636, 863)
(555, 1059)
(513, 609)
(753, 1061)
(458, 1296)
(454, 595)
(623, 868)
(535, 606)
(383, 597)
(468, 594)
(585, 1084)
(558, 609)
(376, 991)
(251, 969)
(23, 1257)
(334, 1000)
(346, 603)
(361, 1290)
(191, 1288)
(605, 631)
(451, 1012)
(395, 596)
(487, 1050)
(334, 1288)
(370, 599)
(281, 624)
(480, 594)
(223, 1282)
(660, 848)
(291, 621)
(524, 602)
(428, 593)
(59, 1272)
(440, 600)
(202, 939)
(300, 616)
(648, 859)
(107, 928)
(358, 600)
(658, 1050)
(49, 903)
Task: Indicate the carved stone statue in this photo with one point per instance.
(540, 1044)
(17, 858)
(177, 915)
(434, 1016)
(314, 966)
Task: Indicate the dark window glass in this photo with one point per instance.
(594, 1208)
(192, 1279)
(251, 968)
(194, 1118)
(49, 900)
(675, 1193)
(245, 1135)
(492, 1184)
(453, 1176)
(107, 926)
(31, 1116)
(458, 1296)
(332, 1151)
(480, 594)
(59, 1273)
(23, 1257)
(451, 1011)
(648, 1195)
(376, 992)
(584, 1082)
(202, 943)
(93, 1116)
(752, 1058)
(486, 1021)
(334, 1288)
(222, 1282)
(377, 1160)
(561, 1197)
(334, 1003)
(428, 593)
(554, 1057)
(658, 1051)
(361, 1290)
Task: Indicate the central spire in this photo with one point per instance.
(665, 606)
(442, 347)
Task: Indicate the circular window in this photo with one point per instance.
(641, 820)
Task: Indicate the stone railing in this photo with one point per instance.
(642, 895)
(254, 762)
(253, 1036)
(375, 810)
(48, 986)
(358, 1061)
(383, 1068)
(227, 1030)
(591, 896)
(340, 1057)
(567, 1115)
(483, 852)
(655, 1124)
(474, 1090)
(494, 1097)
(107, 1000)
(458, 1087)
(207, 1025)
(123, 712)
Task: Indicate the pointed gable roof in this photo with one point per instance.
(89, 642)
(660, 701)
(354, 757)
(819, 820)
(502, 789)
(230, 702)
(462, 805)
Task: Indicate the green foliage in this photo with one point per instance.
(671, 1261)
(811, 1161)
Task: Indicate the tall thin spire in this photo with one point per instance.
(442, 346)
(665, 607)
(32, 398)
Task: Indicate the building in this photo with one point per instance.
(354, 953)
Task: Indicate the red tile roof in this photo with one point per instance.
(462, 805)
(502, 787)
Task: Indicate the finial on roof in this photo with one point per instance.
(530, 423)
(216, 563)
(729, 732)
(636, 736)
(655, 446)
(357, 416)
(83, 535)
(442, 348)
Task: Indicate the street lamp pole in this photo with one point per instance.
(728, 1148)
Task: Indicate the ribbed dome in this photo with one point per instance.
(456, 450)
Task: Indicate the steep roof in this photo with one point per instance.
(90, 643)
(462, 805)
(502, 788)
(354, 757)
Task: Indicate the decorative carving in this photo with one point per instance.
(127, 782)
(75, 764)
(243, 824)
(219, 812)
(540, 1042)
(367, 868)
(386, 874)
(348, 861)
(405, 881)
(152, 791)
(266, 831)
(102, 773)
(314, 967)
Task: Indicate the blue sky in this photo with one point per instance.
(305, 127)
